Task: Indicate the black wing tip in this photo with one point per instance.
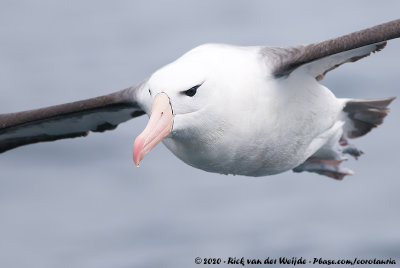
(13, 143)
(304, 54)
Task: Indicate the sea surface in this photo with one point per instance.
(82, 203)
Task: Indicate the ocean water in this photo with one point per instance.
(82, 203)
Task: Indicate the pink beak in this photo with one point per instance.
(159, 126)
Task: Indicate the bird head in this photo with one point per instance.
(188, 98)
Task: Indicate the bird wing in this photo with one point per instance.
(68, 120)
(319, 58)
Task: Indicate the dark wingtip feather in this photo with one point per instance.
(13, 143)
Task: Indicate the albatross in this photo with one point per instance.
(253, 111)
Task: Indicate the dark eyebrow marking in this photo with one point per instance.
(191, 91)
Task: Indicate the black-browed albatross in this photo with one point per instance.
(251, 111)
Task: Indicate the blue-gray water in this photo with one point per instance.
(82, 203)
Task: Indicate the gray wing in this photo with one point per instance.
(68, 120)
(319, 58)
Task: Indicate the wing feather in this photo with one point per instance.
(319, 58)
(69, 120)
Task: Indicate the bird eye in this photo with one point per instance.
(191, 91)
(149, 92)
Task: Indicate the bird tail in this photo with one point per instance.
(360, 117)
(364, 115)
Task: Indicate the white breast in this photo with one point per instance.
(252, 123)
